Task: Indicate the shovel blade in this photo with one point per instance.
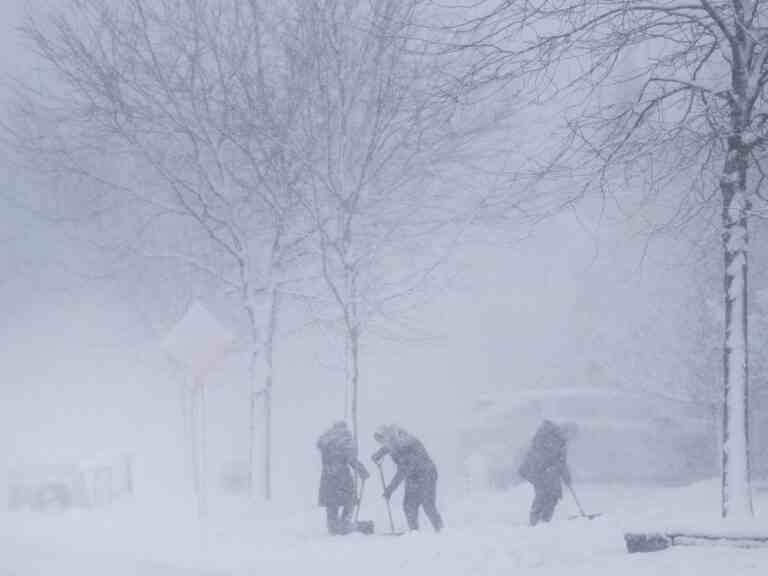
(585, 516)
(364, 526)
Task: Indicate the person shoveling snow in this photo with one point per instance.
(337, 487)
(546, 467)
(415, 467)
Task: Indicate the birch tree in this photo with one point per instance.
(664, 96)
(180, 107)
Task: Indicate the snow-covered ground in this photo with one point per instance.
(485, 534)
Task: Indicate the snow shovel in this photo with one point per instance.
(392, 531)
(366, 526)
(582, 514)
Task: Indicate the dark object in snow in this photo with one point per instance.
(546, 467)
(364, 526)
(646, 542)
(337, 487)
(415, 466)
(655, 541)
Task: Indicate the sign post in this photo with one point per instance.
(195, 344)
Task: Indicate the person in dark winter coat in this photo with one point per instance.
(337, 487)
(417, 469)
(546, 467)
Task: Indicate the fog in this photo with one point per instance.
(85, 362)
(583, 299)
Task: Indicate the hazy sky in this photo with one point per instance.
(80, 366)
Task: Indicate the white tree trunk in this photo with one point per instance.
(355, 380)
(736, 491)
(263, 328)
(253, 398)
(269, 344)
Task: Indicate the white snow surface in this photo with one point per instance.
(485, 534)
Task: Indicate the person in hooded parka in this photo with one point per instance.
(416, 468)
(545, 465)
(337, 486)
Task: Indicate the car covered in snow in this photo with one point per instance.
(623, 436)
(91, 483)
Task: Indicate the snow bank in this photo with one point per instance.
(486, 534)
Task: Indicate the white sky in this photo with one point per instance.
(67, 378)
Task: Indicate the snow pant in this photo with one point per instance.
(339, 519)
(421, 491)
(545, 500)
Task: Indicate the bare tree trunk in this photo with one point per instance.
(262, 379)
(256, 388)
(355, 360)
(253, 396)
(267, 471)
(262, 383)
(268, 379)
(736, 499)
(354, 348)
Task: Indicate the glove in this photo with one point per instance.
(387, 493)
(378, 456)
(364, 475)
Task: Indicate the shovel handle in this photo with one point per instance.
(384, 487)
(575, 499)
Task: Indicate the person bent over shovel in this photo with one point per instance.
(337, 487)
(415, 467)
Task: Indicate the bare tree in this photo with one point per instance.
(181, 108)
(660, 92)
(379, 132)
(309, 132)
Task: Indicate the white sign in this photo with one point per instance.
(197, 340)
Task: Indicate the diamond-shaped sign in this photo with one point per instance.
(198, 340)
